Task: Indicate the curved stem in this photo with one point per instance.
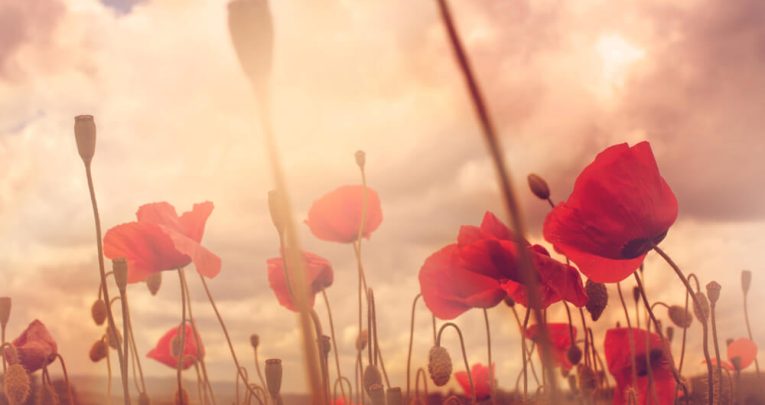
(421, 372)
(179, 369)
(409, 352)
(685, 334)
(631, 335)
(198, 340)
(334, 341)
(339, 381)
(70, 397)
(717, 353)
(491, 363)
(373, 318)
(324, 372)
(464, 354)
(260, 374)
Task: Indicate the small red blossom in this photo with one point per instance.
(318, 272)
(620, 207)
(741, 354)
(161, 240)
(649, 349)
(336, 216)
(560, 341)
(35, 347)
(481, 380)
(163, 351)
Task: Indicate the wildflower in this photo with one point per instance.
(741, 354)
(336, 216)
(560, 340)
(35, 347)
(318, 273)
(481, 381)
(620, 208)
(163, 352)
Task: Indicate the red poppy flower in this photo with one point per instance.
(560, 340)
(163, 351)
(620, 207)
(481, 381)
(318, 271)
(35, 347)
(649, 347)
(741, 354)
(336, 216)
(161, 240)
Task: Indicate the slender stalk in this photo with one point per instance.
(324, 372)
(649, 369)
(108, 377)
(748, 331)
(421, 372)
(198, 340)
(631, 335)
(525, 361)
(70, 397)
(464, 355)
(136, 357)
(181, 354)
(716, 345)
(527, 352)
(588, 361)
(373, 321)
(334, 341)
(409, 352)
(685, 334)
(260, 374)
(102, 272)
(491, 363)
(126, 331)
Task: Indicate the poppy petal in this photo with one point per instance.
(146, 247)
(336, 216)
(744, 350)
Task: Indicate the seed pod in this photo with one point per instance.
(597, 299)
(702, 309)
(143, 399)
(394, 396)
(439, 365)
(371, 377)
(670, 333)
(746, 280)
(574, 354)
(254, 341)
(113, 337)
(98, 351)
(539, 186)
(251, 28)
(274, 376)
(679, 316)
(182, 397)
(713, 292)
(153, 282)
(47, 395)
(85, 135)
(98, 311)
(361, 340)
(361, 158)
(120, 271)
(17, 384)
(5, 310)
(377, 394)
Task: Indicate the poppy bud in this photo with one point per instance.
(98, 351)
(361, 158)
(143, 399)
(85, 135)
(120, 270)
(5, 310)
(746, 280)
(713, 292)
(670, 333)
(153, 282)
(509, 301)
(254, 341)
(679, 316)
(539, 186)
(439, 365)
(361, 340)
(98, 311)
(394, 396)
(17, 384)
(597, 299)
(275, 208)
(251, 29)
(114, 337)
(377, 394)
(47, 395)
(636, 294)
(574, 354)
(181, 397)
(274, 376)
(371, 377)
(702, 309)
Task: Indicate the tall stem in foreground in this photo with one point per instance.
(528, 274)
(491, 363)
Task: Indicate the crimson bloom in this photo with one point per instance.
(649, 349)
(741, 354)
(481, 380)
(481, 269)
(35, 347)
(560, 340)
(336, 216)
(620, 207)
(161, 240)
(318, 272)
(163, 351)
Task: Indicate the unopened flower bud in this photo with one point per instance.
(394, 396)
(574, 354)
(143, 399)
(17, 384)
(679, 316)
(439, 365)
(702, 309)
(274, 376)
(746, 280)
(98, 351)
(154, 282)
(251, 29)
(377, 394)
(276, 209)
(371, 377)
(85, 135)
(254, 341)
(361, 158)
(98, 311)
(597, 299)
(182, 397)
(539, 186)
(5, 310)
(120, 271)
(713, 292)
(361, 340)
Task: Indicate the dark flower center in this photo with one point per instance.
(642, 362)
(638, 247)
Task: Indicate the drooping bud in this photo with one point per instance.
(17, 384)
(394, 396)
(702, 309)
(274, 376)
(746, 280)
(143, 399)
(251, 29)
(85, 135)
(361, 159)
(679, 316)
(439, 365)
(113, 337)
(713, 292)
(597, 299)
(98, 311)
(182, 397)
(377, 394)
(670, 333)
(361, 340)
(5, 310)
(539, 186)
(276, 209)
(120, 271)
(254, 341)
(371, 377)
(154, 282)
(98, 351)
(574, 354)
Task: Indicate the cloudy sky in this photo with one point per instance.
(176, 123)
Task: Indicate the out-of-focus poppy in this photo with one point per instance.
(741, 354)
(649, 349)
(560, 341)
(161, 240)
(336, 216)
(481, 380)
(318, 272)
(620, 207)
(35, 347)
(165, 352)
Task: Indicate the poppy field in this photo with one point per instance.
(585, 327)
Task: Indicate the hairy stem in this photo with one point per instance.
(464, 355)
